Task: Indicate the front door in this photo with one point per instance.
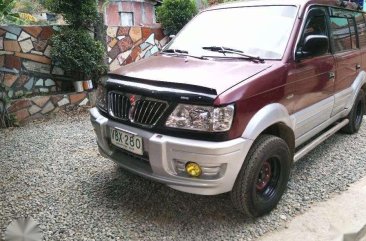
(313, 78)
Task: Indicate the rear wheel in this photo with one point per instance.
(263, 177)
(356, 115)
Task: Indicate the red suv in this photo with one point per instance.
(243, 91)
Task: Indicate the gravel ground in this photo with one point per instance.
(52, 172)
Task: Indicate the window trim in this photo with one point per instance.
(356, 31)
(354, 21)
(364, 22)
(303, 25)
(350, 36)
(328, 14)
(133, 18)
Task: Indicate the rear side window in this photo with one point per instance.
(343, 32)
(360, 24)
(361, 28)
(352, 29)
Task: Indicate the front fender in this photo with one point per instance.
(267, 116)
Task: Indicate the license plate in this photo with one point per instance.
(127, 141)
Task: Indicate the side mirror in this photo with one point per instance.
(314, 45)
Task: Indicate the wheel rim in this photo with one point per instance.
(268, 177)
(359, 114)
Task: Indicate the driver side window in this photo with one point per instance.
(316, 24)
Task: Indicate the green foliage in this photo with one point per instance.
(214, 2)
(76, 51)
(29, 6)
(7, 16)
(73, 48)
(174, 14)
(77, 13)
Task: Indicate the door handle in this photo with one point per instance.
(358, 66)
(331, 75)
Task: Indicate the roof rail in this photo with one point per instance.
(351, 4)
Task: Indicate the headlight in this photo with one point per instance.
(201, 118)
(102, 94)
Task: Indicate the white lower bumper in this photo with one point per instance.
(220, 161)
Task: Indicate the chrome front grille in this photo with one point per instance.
(137, 109)
(148, 112)
(119, 105)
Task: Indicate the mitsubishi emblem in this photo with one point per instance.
(132, 99)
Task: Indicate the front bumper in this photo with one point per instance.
(166, 156)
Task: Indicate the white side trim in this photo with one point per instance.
(309, 147)
(356, 86)
(312, 116)
(307, 136)
(342, 96)
(277, 113)
(341, 100)
(264, 118)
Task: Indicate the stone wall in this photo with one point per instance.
(25, 61)
(29, 79)
(130, 44)
(32, 83)
(38, 107)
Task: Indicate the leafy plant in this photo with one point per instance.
(7, 16)
(174, 14)
(29, 6)
(214, 2)
(73, 48)
(77, 52)
(77, 13)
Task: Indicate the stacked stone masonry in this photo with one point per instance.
(30, 80)
(38, 107)
(25, 61)
(130, 44)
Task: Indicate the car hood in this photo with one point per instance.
(216, 74)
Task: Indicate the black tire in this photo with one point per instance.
(356, 115)
(250, 194)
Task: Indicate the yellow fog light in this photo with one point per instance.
(193, 169)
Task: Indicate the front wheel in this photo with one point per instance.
(263, 178)
(356, 115)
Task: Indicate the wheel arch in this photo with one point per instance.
(358, 84)
(272, 119)
(363, 87)
(284, 132)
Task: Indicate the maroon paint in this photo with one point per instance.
(215, 74)
(251, 86)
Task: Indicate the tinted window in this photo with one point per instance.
(360, 24)
(360, 21)
(351, 24)
(341, 33)
(316, 24)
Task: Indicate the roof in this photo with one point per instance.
(248, 3)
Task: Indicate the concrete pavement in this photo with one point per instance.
(330, 220)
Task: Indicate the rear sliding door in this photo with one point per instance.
(346, 53)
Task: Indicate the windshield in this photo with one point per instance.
(261, 31)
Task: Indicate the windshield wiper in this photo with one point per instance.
(182, 52)
(225, 50)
